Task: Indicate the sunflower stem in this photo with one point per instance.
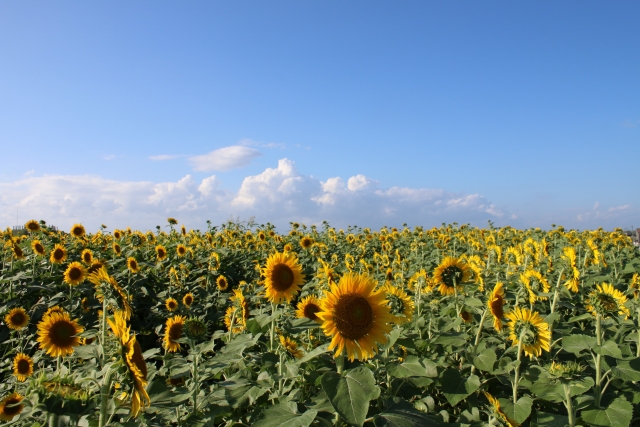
(53, 420)
(598, 386)
(103, 329)
(638, 344)
(569, 404)
(340, 363)
(104, 398)
(195, 380)
(516, 379)
(272, 332)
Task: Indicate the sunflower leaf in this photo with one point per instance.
(618, 414)
(350, 393)
(628, 370)
(485, 360)
(412, 367)
(609, 348)
(577, 343)
(456, 388)
(520, 411)
(285, 415)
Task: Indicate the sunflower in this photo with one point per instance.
(466, 316)
(283, 277)
(133, 265)
(161, 253)
(499, 413)
(17, 318)
(222, 283)
(54, 309)
(117, 249)
(108, 284)
(531, 328)
(117, 234)
(183, 230)
(18, 252)
(57, 334)
(495, 305)
(308, 307)
(171, 304)
(173, 332)
(87, 256)
(291, 347)
(356, 316)
(32, 225)
(58, 254)
(37, 247)
(22, 367)
(187, 300)
(306, 242)
(96, 265)
(240, 302)
(78, 230)
(181, 250)
(75, 274)
(451, 272)
(10, 406)
(231, 319)
(535, 284)
(133, 358)
(400, 303)
(574, 280)
(172, 221)
(607, 300)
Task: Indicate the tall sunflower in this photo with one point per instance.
(173, 332)
(32, 225)
(171, 304)
(306, 242)
(78, 230)
(309, 308)
(106, 284)
(187, 300)
(606, 300)
(356, 316)
(75, 274)
(17, 318)
(10, 406)
(57, 334)
(58, 254)
(132, 356)
(18, 253)
(38, 247)
(400, 303)
(449, 272)
(283, 277)
(22, 367)
(495, 305)
(181, 250)
(531, 328)
(535, 284)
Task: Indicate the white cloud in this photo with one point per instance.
(251, 143)
(224, 159)
(161, 157)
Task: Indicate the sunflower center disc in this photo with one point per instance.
(57, 254)
(450, 275)
(353, 316)
(496, 307)
(23, 367)
(310, 311)
(62, 333)
(175, 332)
(17, 319)
(12, 410)
(282, 277)
(75, 274)
(138, 361)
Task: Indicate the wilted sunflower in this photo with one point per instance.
(283, 277)
(133, 265)
(606, 300)
(17, 318)
(181, 250)
(32, 225)
(133, 358)
(308, 307)
(535, 284)
(306, 242)
(171, 304)
(10, 406)
(356, 316)
(75, 274)
(22, 367)
(499, 413)
(291, 347)
(161, 253)
(87, 256)
(222, 283)
(173, 332)
(37, 247)
(533, 330)
(451, 271)
(495, 305)
(57, 334)
(400, 303)
(187, 300)
(78, 230)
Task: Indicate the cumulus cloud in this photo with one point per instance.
(224, 159)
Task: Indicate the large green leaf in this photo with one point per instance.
(400, 413)
(518, 412)
(618, 414)
(485, 360)
(543, 419)
(313, 353)
(350, 393)
(577, 343)
(609, 348)
(412, 367)
(628, 370)
(456, 388)
(285, 415)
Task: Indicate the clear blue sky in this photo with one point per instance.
(534, 106)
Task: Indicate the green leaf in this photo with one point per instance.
(485, 360)
(546, 390)
(520, 411)
(313, 353)
(456, 388)
(285, 415)
(628, 370)
(350, 394)
(543, 419)
(609, 348)
(456, 340)
(412, 367)
(618, 414)
(401, 413)
(586, 316)
(577, 343)
(301, 325)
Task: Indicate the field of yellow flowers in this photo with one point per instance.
(238, 325)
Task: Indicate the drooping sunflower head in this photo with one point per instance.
(222, 283)
(400, 304)
(171, 304)
(57, 334)
(78, 230)
(107, 285)
(172, 221)
(187, 300)
(496, 305)
(290, 346)
(528, 326)
(181, 250)
(22, 367)
(195, 328)
(17, 318)
(58, 254)
(161, 253)
(32, 225)
(606, 301)
(60, 395)
(283, 277)
(132, 265)
(87, 256)
(308, 308)
(173, 332)
(565, 371)
(498, 413)
(75, 274)
(449, 273)
(356, 316)
(10, 406)
(37, 247)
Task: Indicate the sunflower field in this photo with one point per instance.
(239, 325)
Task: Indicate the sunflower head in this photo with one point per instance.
(283, 277)
(75, 274)
(161, 253)
(57, 334)
(116, 248)
(87, 256)
(308, 308)
(466, 316)
(78, 230)
(37, 247)
(32, 225)
(58, 254)
(18, 253)
(181, 250)
(172, 221)
(10, 406)
(187, 300)
(222, 283)
(606, 301)
(449, 273)
(17, 318)
(195, 328)
(400, 304)
(60, 395)
(565, 371)
(22, 367)
(496, 305)
(290, 346)
(498, 412)
(527, 326)
(306, 242)
(132, 265)
(173, 332)
(171, 304)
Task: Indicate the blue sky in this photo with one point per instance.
(523, 113)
